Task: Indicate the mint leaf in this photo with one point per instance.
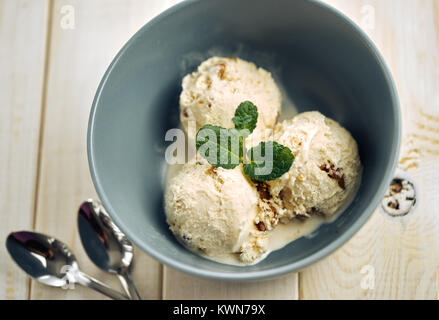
(219, 146)
(224, 148)
(268, 161)
(246, 117)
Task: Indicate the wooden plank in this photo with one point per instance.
(401, 253)
(178, 285)
(79, 57)
(21, 81)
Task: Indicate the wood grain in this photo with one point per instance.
(403, 252)
(21, 82)
(178, 285)
(78, 58)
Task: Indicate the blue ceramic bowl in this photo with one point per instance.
(320, 58)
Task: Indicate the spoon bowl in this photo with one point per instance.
(43, 258)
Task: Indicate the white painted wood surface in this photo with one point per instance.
(22, 64)
(43, 181)
(177, 285)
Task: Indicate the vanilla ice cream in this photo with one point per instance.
(326, 169)
(222, 214)
(212, 211)
(212, 93)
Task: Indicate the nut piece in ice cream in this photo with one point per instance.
(326, 169)
(212, 93)
(212, 211)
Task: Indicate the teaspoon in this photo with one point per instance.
(51, 262)
(106, 245)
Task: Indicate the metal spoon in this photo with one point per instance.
(106, 245)
(51, 262)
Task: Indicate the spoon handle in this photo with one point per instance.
(98, 286)
(126, 279)
(125, 286)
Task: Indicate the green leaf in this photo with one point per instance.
(219, 146)
(268, 161)
(246, 117)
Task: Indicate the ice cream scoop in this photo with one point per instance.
(326, 169)
(212, 93)
(212, 211)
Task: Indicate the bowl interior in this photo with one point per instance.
(318, 58)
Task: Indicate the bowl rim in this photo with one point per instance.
(277, 271)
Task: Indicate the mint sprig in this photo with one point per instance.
(224, 148)
(219, 146)
(261, 168)
(246, 116)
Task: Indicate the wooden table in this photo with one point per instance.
(53, 54)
